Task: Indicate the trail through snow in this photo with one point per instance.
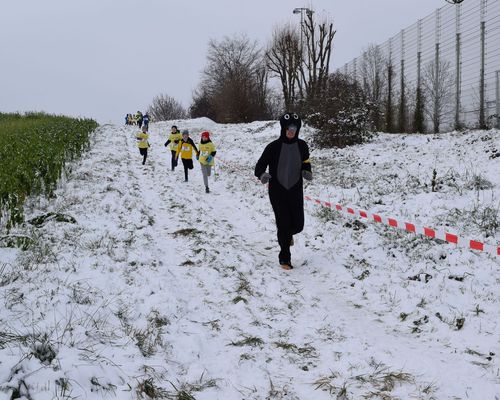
(161, 284)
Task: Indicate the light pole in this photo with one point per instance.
(301, 11)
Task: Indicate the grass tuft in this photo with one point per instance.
(248, 341)
(51, 216)
(22, 242)
(187, 232)
(307, 351)
(237, 299)
(147, 389)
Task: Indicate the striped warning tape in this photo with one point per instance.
(393, 222)
(410, 227)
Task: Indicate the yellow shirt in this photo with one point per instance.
(142, 140)
(174, 139)
(206, 149)
(186, 149)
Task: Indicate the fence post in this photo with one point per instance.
(498, 98)
(437, 106)
(402, 95)
(355, 69)
(482, 122)
(458, 66)
(419, 114)
(419, 52)
(389, 112)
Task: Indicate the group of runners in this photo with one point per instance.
(138, 119)
(181, 145)
(283, 166)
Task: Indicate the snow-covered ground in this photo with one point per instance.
(159, 290)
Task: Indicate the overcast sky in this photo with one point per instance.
(104, 58)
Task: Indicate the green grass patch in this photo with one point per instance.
(16, 241)
(35, 149)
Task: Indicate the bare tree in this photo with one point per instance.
(235, 80)
(283, 60)
(165, 108)
(402, 107)
(274, 103)
(438, 84)
(303, 71)
(318, 39)
(262, 91)
(411, 106)
(418, 123)
(374, 82)
(229, 58)
(201, 105)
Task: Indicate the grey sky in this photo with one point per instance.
(104, 58)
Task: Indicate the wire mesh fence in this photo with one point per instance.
(452, 57)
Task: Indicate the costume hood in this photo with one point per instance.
(286, 120)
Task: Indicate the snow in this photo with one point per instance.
(160, 288)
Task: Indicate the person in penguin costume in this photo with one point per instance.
(288, 162)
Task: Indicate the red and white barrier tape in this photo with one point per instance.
(410, 227)
(395, 223)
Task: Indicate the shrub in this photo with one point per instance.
(340, 113)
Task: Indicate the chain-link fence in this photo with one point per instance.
(451, 56)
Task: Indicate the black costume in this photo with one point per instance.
(287, 159)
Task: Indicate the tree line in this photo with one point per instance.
(235, 87)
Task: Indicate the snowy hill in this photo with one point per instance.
(160, 290)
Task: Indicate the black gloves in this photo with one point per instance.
(307, 175)
(264, 178)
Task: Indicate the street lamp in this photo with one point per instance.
(301, 11)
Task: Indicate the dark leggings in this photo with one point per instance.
(288, 207)
(144, 154)
(174, 161)
(188, 164)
